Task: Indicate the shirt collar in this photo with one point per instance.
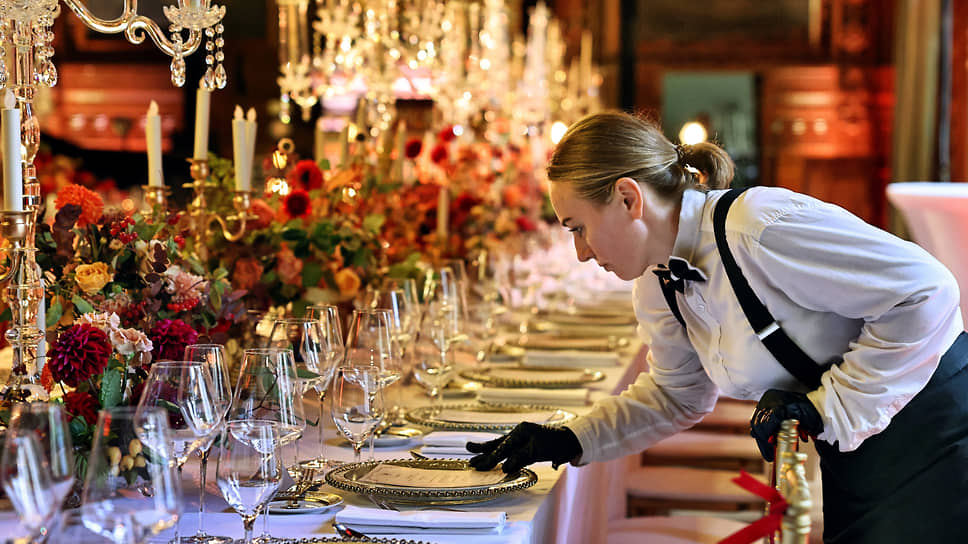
(690, 217)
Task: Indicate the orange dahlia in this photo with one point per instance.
(90, 202)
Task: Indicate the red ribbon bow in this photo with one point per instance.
(768, 524)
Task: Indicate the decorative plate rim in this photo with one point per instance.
(480, 375)
(416, 415)
(336, 478)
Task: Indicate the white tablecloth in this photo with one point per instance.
(573, 504)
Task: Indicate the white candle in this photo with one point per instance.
(443, 210)
(344, 145)
(203, 100)
(153, 141)
(242, 180)
(250, 133)
(13, 184)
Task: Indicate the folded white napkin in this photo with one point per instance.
(591, 319)
(525, 395)
(591, 330)
(377, 521)
(568, 358)
(456, 438)
(445, 452)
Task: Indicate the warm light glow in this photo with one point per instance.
(692, 133)
(558, 130)
(278, 186)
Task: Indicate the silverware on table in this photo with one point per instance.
(346, 532)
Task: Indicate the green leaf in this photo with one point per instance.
(374, 222)
(82, 306)
(323, 164)
(54, 314)
(306, 374)
(5, 315)
(312, 272)
(110, 388)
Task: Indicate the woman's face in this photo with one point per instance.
(625, 235)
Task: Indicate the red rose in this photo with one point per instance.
(81, 404)
(296, 204)
(305, 175)
(439, 154)
(447, 134)
(413, 148)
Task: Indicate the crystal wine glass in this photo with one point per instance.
(127, 505)
(357, 404)
(213, 356)
(26, 478)
(329, 322)
(248, 470)
(47, 422)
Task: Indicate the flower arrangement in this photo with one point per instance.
(121, 291)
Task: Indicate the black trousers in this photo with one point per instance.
(910, 482)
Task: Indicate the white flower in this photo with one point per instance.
(129, 341)
(106, 321)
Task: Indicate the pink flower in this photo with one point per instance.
(129, 341)
(79, 353)
(169, 338)
(289, 267)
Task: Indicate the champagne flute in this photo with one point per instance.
(185, 389)
(248, 470)
(128, 508)
(329, 323)
(26, 478)
(47, 422)
(213, 356)
(357, 404)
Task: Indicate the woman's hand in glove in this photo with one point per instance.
(526, 443)
(774, 407)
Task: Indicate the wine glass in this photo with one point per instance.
(186, 390)
(213, 356)
(310, 348)
(357, 404)
(403, 323)
(329, 323)
(368, 344)
(127, 505)
(266, 391)
(47, 422)
(443, 312)
(433, 369)
(26, 477)
(248, 470)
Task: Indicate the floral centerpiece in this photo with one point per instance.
(121, 292)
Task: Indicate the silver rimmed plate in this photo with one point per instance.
(515, 376)
(486, 417)
(353, 477)
(360, 540)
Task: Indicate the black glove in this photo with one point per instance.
(526, 443)
(774, 407)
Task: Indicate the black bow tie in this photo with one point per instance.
(677, 272)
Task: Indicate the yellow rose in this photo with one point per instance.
(92, 277)
(347, 282)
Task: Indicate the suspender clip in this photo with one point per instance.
(768, 330)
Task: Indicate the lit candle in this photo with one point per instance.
(153, 140)
(443, 210)
(242, 179)
(203, 100)
(13, 184)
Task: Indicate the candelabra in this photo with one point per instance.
(201, 218)
(26, 37)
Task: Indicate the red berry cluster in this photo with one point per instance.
(174, 218)
(119, 230)
(132, 314)
(182, 306)
(180, 240)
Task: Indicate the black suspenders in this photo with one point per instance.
(781, 346)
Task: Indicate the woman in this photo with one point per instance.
(861, 339)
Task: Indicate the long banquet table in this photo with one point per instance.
(570, 505)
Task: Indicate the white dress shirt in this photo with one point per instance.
(843, 290)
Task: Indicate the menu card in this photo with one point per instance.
(401, 476)
(538, 376)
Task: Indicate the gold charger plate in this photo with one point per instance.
(347, 478)
(541, 377)
(428, 416)
(360, 540)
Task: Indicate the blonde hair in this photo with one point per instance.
(603, 147)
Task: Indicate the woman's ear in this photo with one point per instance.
(629, 193)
